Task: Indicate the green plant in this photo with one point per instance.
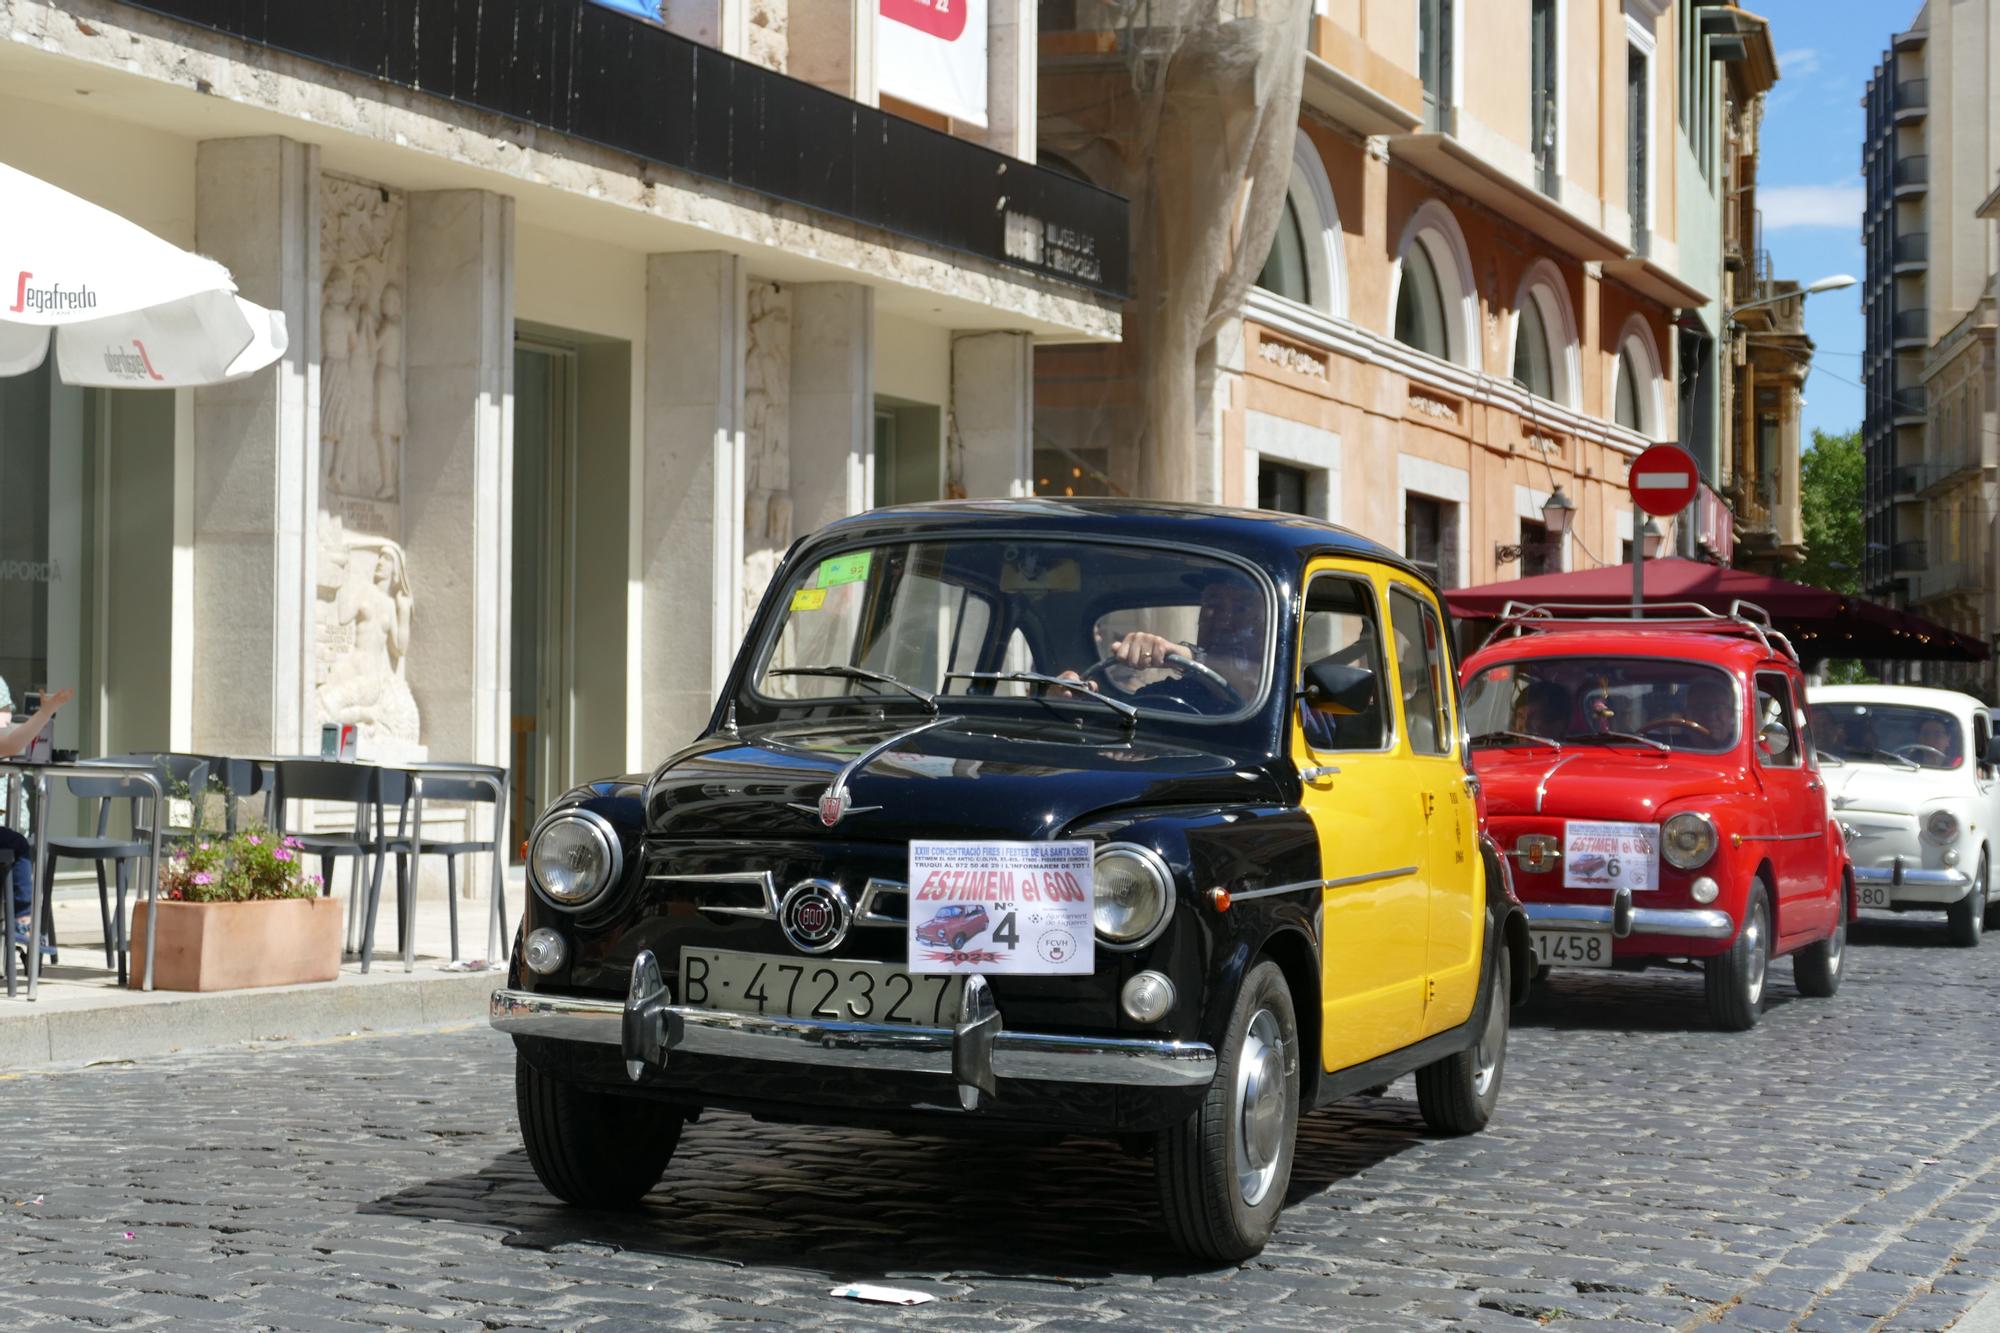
(255, 866)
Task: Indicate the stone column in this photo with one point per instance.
(833, 401)
(691, 534)
(255, 457)
(831, 43)
(1011, 54)
(458, 469)
(722, 24)
(991, 437)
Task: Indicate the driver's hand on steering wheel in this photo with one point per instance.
(1081, 685)
(1140, 649)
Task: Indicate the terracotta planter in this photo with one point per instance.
(230, 946)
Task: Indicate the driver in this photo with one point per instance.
(1710, 705)
(1933, 734)
(1229, 640)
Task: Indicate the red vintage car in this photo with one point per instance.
(955, 924)
(1653, 779)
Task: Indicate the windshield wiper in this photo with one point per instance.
(865, 676)
(1505, 734)
(1891, 757)
(1619, 737)
(1077, 689)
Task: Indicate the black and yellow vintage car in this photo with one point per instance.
(1241, 727)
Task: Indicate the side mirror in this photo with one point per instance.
(1347, 689)
(1774, 738)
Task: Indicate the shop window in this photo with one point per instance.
(1282, 489)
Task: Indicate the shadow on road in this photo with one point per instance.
(861, 1205)
(1917, 930)
(1652, 1001)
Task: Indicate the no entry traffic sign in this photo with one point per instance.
(1664, 480)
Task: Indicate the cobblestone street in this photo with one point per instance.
(1837, 1168)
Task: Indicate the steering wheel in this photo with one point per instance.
(1680, 723)
(1944, 760)
(1188, 667)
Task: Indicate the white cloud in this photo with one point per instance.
(1799, 63)
(1786, 206)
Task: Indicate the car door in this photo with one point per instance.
(1364, 802)
(1797, 807)
(1453, 880)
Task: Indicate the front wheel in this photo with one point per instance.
(1223, 1171)
(1817, 967)
(1458, 1093)
(1734, 981)
(1967, 917)
(591, 1148)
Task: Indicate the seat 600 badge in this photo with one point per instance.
(815, 915)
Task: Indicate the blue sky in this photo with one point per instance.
(1809, 176)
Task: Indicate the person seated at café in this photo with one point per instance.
(15, 739)
(1542, 709)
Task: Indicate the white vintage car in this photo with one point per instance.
(1911, 774)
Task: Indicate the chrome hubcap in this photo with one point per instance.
(1492, 1041)
(1260, 1107)
(1759, 952)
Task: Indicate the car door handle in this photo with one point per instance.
(1318, 773)
(1472, 784)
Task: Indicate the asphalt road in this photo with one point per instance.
(1837, 1168)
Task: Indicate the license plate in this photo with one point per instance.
(1572, 948)
(836, 989)
(1873, 895)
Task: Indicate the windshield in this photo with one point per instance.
(1588, 700)
(1870, 733)
(1159, 631)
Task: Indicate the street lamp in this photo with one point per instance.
(1557, 512)
(1833, 282)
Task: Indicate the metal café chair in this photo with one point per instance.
(104, 846)
(333, 782)
(181, 770)
(470, 792)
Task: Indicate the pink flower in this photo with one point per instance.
(282, 854)
(314, 880)
(293, 842)
(256, 841)
(204, 847)
(202, 877)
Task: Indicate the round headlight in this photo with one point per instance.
(1687, 840)
(574, 857)
(1134, 895)
(1942, 826)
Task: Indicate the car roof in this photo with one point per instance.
(1275, 540)
(1912, 696)
(1731, 650)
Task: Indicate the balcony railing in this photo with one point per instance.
(1913, 95)
(1912, 324)
(1912, 249)
(1909, 400)
(1910, 478)
(1909, 557)
(1912, 170)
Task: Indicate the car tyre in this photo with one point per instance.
(1992, 908)
(589, 1148)
(1817, 967)
(1458, 1093)
(1735, 981)
(1966, 918)
(1223, 1171)
(958, 941)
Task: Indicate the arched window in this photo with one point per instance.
(1305, 263)
(1636, 388)
(1435, 306)
(1545, 344)
(1285, 267)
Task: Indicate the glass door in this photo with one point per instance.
(544, 437)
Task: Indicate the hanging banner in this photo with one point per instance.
(933, 53)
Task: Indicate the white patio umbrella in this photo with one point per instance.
(125, 309)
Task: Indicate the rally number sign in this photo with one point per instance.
(1606, 855)
(1001, 907)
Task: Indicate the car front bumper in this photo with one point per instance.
(1700, 923)
(975, 1053)
(1919, 885)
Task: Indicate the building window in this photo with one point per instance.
(1434, 61)
(1636, 392)
(1427, 537)
(1531, 352)
(1628, 393)
(1544, 125)
(1073, 472)
(1285, 267)
(1638, 144)
(1538, 553)
(1420, 306)
(1282, 489)
(1434, 307)
(1545, 350)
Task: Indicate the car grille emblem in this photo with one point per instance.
(815, 915)
(833, 805)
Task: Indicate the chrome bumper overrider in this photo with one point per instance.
(1916, 884)
(650, 1029)
(1686, 923)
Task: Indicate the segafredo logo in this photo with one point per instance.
(133, 365)
(51, 299)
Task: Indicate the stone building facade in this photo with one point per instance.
(590, 318)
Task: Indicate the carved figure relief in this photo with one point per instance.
(364, 616)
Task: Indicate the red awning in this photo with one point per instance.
(1821, 624)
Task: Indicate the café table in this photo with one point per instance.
(35, 775)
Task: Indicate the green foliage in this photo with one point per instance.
(1831, 476)
(252, 867)
(1848, 672)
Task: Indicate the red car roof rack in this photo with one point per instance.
(1744, 619)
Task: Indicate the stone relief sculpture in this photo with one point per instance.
(391, 408)
(364, 615)
(767, 444)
